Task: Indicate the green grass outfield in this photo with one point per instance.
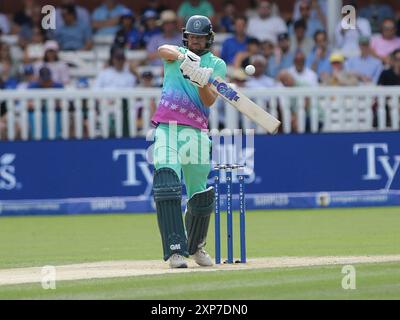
(39, 241)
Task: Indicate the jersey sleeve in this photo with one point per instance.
(220, 69)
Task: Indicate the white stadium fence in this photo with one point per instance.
(88, 113)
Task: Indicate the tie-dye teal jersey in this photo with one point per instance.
(180, 100)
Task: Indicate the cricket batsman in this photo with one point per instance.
(182, 147)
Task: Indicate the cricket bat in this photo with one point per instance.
(245, 105)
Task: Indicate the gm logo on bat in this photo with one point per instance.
(225, 90)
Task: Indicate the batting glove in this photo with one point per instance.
(191, 61)
(200, 76)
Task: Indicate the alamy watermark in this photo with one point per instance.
(49, 278)
(349, 20)
(49, 19)
(349, 280)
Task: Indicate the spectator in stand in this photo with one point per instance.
(44, 82)
(4, 24)
(24, 18)
(388, 77)
(242, 58)
(195, 7)
(251, 8)
(27, 21)
(318, 59)
(73, 35)
(3, 117)
(128, 36)
(398, 27)
(154, 5)
(238, 43)
(375, 12)
(170, 35)
(282, 58)
(366, 67)
(59, 69)
(347, 40)
(338, 76)
(259, 79)
(150, 26)
(116, 75)
(303, 75)
(34, 50)
(313, 14)
(384, 44)
(267, 49)
(8, 67)
(227, 20)
(106, 18)
(299, 39)
(265, 26)
(391, 76)
(83, 15)
(28, 76)
(285, 79)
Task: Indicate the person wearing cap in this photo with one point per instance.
(59, 69)
(150, 25)
(282, 57)
(73, 34)
(183, 112)
(128, 36)
(265, 26)
(366, 67)
(106, 18)
(44, 81)
(27, 76)
(169, 35)
(347, 39)
(338, 76)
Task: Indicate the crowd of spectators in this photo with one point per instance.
(286, 51)
(363, 52)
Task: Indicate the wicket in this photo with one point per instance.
(228, 169)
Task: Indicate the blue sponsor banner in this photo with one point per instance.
(290, 171)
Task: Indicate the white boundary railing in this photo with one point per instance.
(55, 113)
